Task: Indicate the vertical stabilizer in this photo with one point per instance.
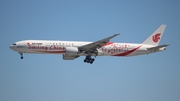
(155, 37)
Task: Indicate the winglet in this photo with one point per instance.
(110, 37)
(113, 36)
(117, 34)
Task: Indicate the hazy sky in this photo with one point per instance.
(153, 77)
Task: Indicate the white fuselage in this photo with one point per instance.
(59, 47)
(70, 50)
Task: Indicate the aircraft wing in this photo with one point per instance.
(157, 47)
(94, 45)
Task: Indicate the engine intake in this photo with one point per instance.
(71, 50)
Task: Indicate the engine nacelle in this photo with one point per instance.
(68, 57)
(71, 50)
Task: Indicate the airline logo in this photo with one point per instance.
(156, 37)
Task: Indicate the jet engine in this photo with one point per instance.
(71, 50)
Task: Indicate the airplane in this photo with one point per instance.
(71, 50)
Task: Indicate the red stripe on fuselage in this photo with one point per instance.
(128, 52)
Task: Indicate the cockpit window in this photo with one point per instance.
(14, 44)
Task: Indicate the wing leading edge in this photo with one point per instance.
(98, 44)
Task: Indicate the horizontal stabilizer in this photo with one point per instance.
(157, 47)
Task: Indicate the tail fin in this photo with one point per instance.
(155, 37)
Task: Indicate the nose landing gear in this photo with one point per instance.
(21, 55)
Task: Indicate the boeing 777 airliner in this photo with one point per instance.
(73, 49)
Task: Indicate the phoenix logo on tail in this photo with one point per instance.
(156, 37)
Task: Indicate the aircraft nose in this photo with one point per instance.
(12, 47)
